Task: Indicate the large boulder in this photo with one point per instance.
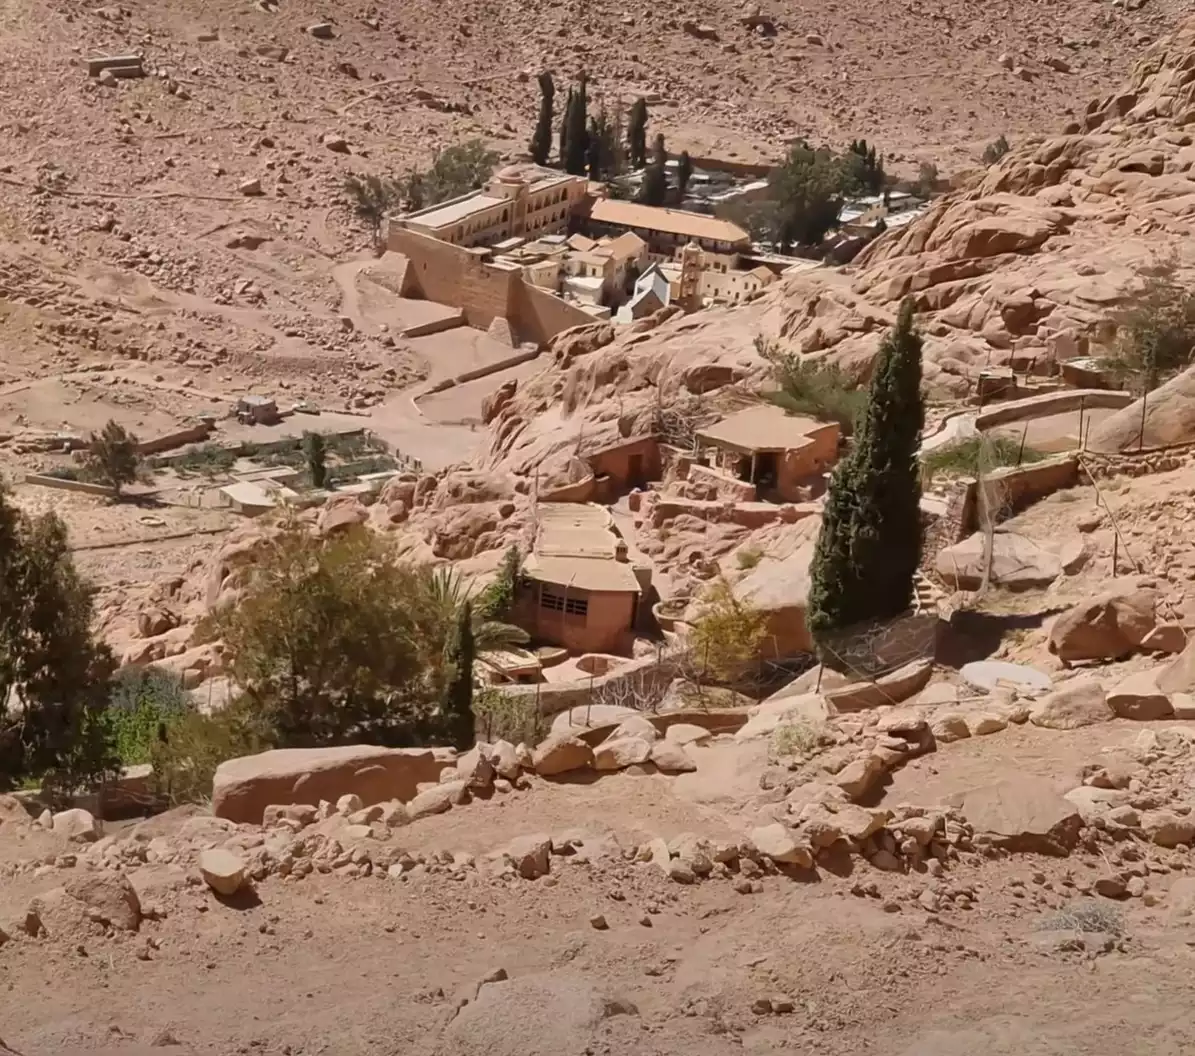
(620, 752)
(107, 898)
(891, 688)
(1018, 562)
(1106, 627)
(1081, 702)
(1023, 814)
(1178, 676)
(244, 787)
(1138, 697)
(1169, 419)
(561, 754)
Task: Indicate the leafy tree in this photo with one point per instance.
(54, 675)
(868, 170)
(727, 636)
(372, 199)
(316, 455)
(870, 540)
(142, 701)
(995, 150)
(541, 140)
(654, 189)
(458, 721)
(326, 642)
(927, 179)
(1155, 333)
(112, 457)
(194, 745)
(637, 133)
(439, 595)
(815, 390)
(684, 173)
(577, 120)
(456, 170)
(809, 189)
(498, 599)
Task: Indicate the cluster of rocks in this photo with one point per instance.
(635, 744)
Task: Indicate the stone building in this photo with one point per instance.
(770, 454)
(584, 593)
(668, 231)
(519, 201)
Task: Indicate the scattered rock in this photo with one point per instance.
(77, 825)
(621, 752)
(531, 855)
(1138, 697)
(671, 758)
(222, 871)
(684, 733)
(1167, 829)
(1022, 814)
(250, 188)
(437, 800)
(1108, 626)
(598, 922)
(1080, 702)
(777, 842)
(108, 898)
(562, 754)
(336, 143)
(322, 31)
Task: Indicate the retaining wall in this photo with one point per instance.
(192, 434)
(62, 484)
(1052, 403)
(649, 677)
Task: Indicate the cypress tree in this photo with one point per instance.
(637, 133)
(458, 697)
(870, 541)
(654, 189)
(684, 172)
(577, 120)
(541, 141)
(565, 122)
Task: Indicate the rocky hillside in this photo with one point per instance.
(1022, 268)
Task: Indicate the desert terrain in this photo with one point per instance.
(967, 863)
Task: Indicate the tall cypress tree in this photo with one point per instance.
(577, 153)
(458, 697)
(565, 124)
(637, 133)
(654, 188)
(541, 141)
(870, 541)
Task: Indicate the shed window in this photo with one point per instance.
(549, 599)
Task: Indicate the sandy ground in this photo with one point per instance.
(371, 966)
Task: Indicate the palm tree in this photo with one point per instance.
(442, 594)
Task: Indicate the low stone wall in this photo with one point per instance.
(1052, 403)
(62, 484)
(435, 326)
(647, 678)
(751, 515)
(1137, 463)
(726, 486)
(1019, 487)
(191, 435)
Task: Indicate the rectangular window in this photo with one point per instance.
(549, 599)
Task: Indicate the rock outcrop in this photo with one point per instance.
(244, 787)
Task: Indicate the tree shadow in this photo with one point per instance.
(971, 635)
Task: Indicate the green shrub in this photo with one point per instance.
(502, 717)
(977, 455)
(748, 557)
(143, 703)
(185, 763)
